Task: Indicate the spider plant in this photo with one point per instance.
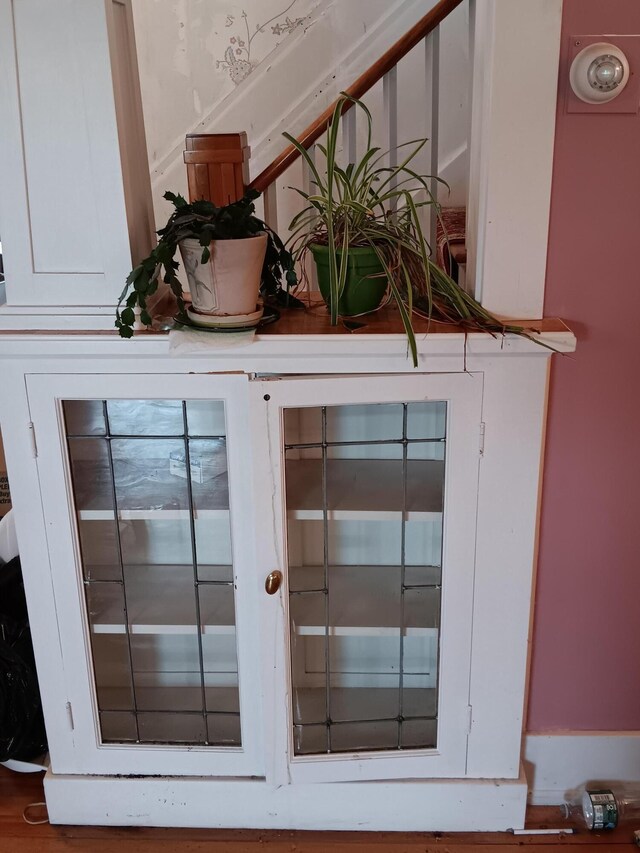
(371, 204)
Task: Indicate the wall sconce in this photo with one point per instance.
(599, 73)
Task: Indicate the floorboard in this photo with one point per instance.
(16, 836)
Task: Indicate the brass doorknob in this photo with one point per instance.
(273, 581)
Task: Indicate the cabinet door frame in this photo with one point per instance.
(89, 755)
(463, 393)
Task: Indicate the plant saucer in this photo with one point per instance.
(270, 316)
(213, 321)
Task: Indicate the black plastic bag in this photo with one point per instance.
(22, 733)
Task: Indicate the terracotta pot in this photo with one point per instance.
(229, 282)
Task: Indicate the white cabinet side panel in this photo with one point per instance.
(515, 81)
(513, 412)
(53, 114)
(14, 211)
(63, 223)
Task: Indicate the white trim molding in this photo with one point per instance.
(557, 764)
(515, 74)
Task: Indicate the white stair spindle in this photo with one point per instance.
(432, 57)
(271, 206)
(390, 102)
(309, 186)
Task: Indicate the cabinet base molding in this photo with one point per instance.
(432, 805)
(48, 319)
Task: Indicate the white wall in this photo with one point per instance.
(192, 55)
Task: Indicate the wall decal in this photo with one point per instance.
(237, 56)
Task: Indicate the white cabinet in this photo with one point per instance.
(269, 599)
(368, 491)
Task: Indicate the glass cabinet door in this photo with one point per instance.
(378, 479)
(151, 486)
(365, 498)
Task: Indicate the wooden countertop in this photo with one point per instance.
(314, 320)
(386, 321)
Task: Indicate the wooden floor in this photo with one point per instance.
(16, 836)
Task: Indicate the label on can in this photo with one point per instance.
(604, 809)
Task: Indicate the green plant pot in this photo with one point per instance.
(362, 291)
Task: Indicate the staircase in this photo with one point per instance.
(411, 69)
(404, 106)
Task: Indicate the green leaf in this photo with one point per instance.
(177, 200)
(134, 274)
(306, 157)
(141, 283)
(128, 316)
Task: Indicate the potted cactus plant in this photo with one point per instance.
(230, 257)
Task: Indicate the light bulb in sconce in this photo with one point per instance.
(599, 73)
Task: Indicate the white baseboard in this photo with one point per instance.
(556, 764)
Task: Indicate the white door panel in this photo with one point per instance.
(373, 620)
(141, 556)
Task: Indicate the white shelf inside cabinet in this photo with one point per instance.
(172, 699)
(364, 601)
(360, 703)
(148, 514)
(94, 492)
(364, 489)
(155, 591)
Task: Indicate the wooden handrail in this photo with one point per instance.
(373, 75)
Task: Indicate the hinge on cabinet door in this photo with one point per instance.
(469, 719)
(481, 445)
(70, 715)
(32, 435)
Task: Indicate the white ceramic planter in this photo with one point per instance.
(230, 282)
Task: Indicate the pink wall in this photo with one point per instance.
(586, 652)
